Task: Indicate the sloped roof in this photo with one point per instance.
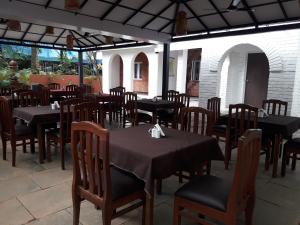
(204, 17)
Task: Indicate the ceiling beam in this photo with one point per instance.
(78, 42)
(166, 25)
(83, 37)
(26, 31)
(97, 39)
(42, 36)
(59, 36)
(136, 11)
(4, 33)
(111, 8)
(219, 12)
(250, 13)
(83, 4)
(158, 14)
(48, 3)
(33, 13)
(195, 15)
(282, 9)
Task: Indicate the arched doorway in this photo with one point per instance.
(116, 71)
(141, 73)
(244, 76)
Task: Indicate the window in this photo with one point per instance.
(137, 70)
(195, 70)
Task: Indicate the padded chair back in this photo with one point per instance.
(29, 98)
(243, 186)
(6, 119)
(91, 168)
(241, 118)
(196, 120)
(54, 86)
(171, 95)
(89, 111)
(275, 107)
(214, 104)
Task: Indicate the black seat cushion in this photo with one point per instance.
(144, 117)
(207, 190)
(23, 130)
(124, 183)
(293, 143)
(220, 128)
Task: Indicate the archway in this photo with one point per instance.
(243, 76)
(116, 71)
(141, 73)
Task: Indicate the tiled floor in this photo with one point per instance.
(35, 194)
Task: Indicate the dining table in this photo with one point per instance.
(134, 150)
(275, 127)
(38, 117)
(154, 106)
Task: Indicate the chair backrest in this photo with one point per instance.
(241, 118)
(275, 107)
(71, 87)
(171, 95)
(116, 92)
(214, 104)
(29, 98)
(16, 96)
(89, 111)
(44, 96)
(6, 119)
(66, 116)
(120, 88)
(196, 120)
(54, 86)
(91, 164)
(183, 100)
(243, 185)
(129, 106)
(5, 91)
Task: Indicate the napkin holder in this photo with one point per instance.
(156, 132)
(262, 113)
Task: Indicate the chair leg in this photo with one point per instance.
(208, 167)
(76, 207)
(176, 214)
(267, 160)
(285, 155)
(4, 142)
(249, 210)
(13, 149)
(32, 146)
(106, 216)
(24, 146)
(144, 214)
(159, 186)
(180, 176)
(62, 155)
(227, 153)
(294, 160)
(48, 150)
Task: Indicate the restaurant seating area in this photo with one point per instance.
(92, 140)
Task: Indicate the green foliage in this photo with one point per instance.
(24, 76)
(18, 54)
(5, 75)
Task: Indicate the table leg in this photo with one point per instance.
(154, 117)
(150, 206)
(276, 154)
(41, 141)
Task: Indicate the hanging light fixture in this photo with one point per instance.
(181, 23)
(70, 40)
(72, 4)
(14, 25)
(49, 30)
(109, 40)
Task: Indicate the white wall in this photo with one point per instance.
(115, 71)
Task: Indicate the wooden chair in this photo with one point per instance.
(96, 181)
(71, 87)
(291, 150)
(196, 120)
(219, 199)
(54, 86)
(241, 118)
(29, 98)
(62, 136)
(117, 106)
(120, 88)
(130, 112)
(275, 107)
(16, 96)
(44, 96)
(6, 91)
(171, 95)
(89, 111)
(171, 116)
(214, 105)
(13, 132)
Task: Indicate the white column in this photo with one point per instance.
(128, 70)
(181, 71)
(105, 74)
(155, 74)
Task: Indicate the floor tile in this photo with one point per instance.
(59, 218)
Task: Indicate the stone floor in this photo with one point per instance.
(35, 194)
